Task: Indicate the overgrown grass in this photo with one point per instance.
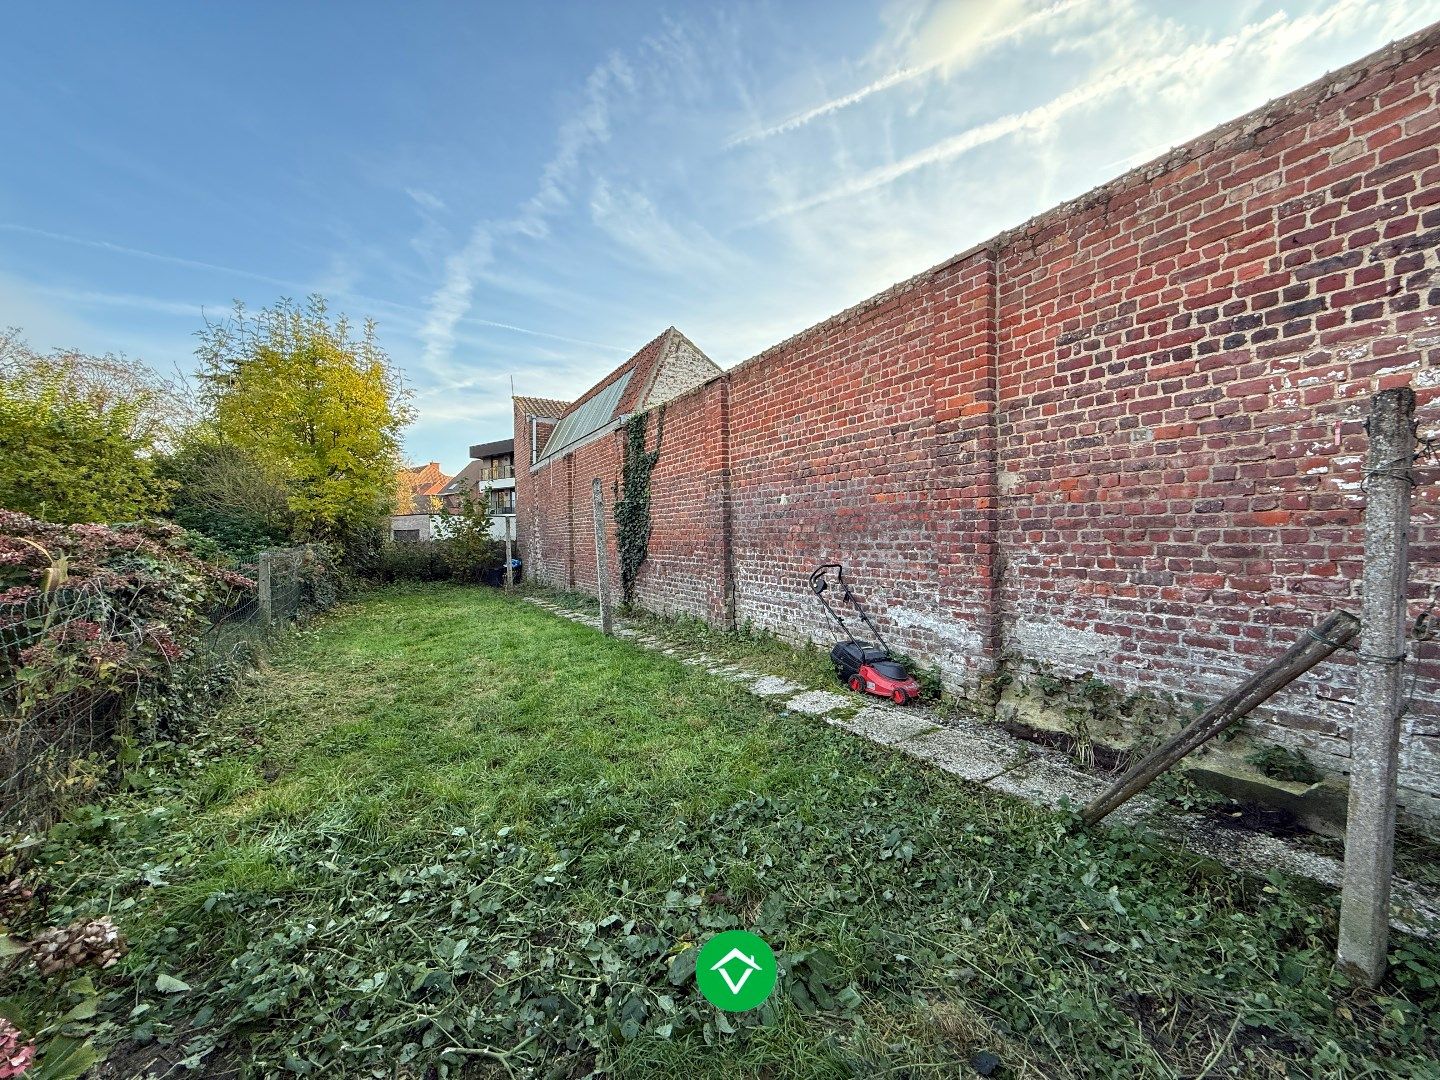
(448, 834)
(759, 650)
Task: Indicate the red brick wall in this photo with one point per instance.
(527, 506)
(831, 441)
(1124, 438)
(1185, 361)
(599, 459)
(686, 571)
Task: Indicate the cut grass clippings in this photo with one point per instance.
(456, 835)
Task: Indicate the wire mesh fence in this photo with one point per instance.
(68, 700)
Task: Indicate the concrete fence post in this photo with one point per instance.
(602, 572)
(263, 582)
(1379, 692)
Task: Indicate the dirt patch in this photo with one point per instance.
(135, 1061)
(1108, 762)
(1254, 817)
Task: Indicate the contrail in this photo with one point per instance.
(903, 75)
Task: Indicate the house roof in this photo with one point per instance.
(467, 479)
(498, 448)
(588, 415)
(632, 387)
(417, 474)
(414, 483)
(549, 408)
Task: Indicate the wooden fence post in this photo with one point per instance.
(1379, 692)
(262, 584)
(602, 573)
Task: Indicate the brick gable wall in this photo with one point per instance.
(683, 368)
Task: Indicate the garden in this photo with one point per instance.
(280, 799)
(440, 832)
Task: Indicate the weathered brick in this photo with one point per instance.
(1124, 438)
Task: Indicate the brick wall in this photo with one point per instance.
(1123, 439)
(687, 570)
(1185, 359)
(597, 459)
(832, 457)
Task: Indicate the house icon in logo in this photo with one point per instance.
(746, 966)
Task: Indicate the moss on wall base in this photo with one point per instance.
(1103, 727)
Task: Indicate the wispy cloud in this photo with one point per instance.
(140, 253)
(158, 305)
(424, 199)
(470, 320)
(337, 278)
(1129, 72)
(589, 126)
(631, 218)
(962, 48)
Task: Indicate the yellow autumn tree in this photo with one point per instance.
(316, 404)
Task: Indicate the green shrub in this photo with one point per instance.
(226, 494)
(99, 606)
(77, 436)
(421, 560)
(469, 548)
(104, 632)
(323, 577)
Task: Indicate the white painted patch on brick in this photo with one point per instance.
(961, 642)
(1055, 642)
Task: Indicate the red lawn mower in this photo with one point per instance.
(864, 667)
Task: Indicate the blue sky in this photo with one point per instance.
(534, 191)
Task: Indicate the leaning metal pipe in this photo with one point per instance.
(1315, 645)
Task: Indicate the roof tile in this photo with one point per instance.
(539, 406)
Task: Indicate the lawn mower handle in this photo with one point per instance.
(818, 584)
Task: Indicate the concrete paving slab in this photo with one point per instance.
(886, 726)
(959, 753)
(818, 702)
(767, 685)
(1047, 784)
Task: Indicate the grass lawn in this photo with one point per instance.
(448, 834)
(756, 650)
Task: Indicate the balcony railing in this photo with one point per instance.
(497, 472)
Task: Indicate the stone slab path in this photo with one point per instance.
(988, 755)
